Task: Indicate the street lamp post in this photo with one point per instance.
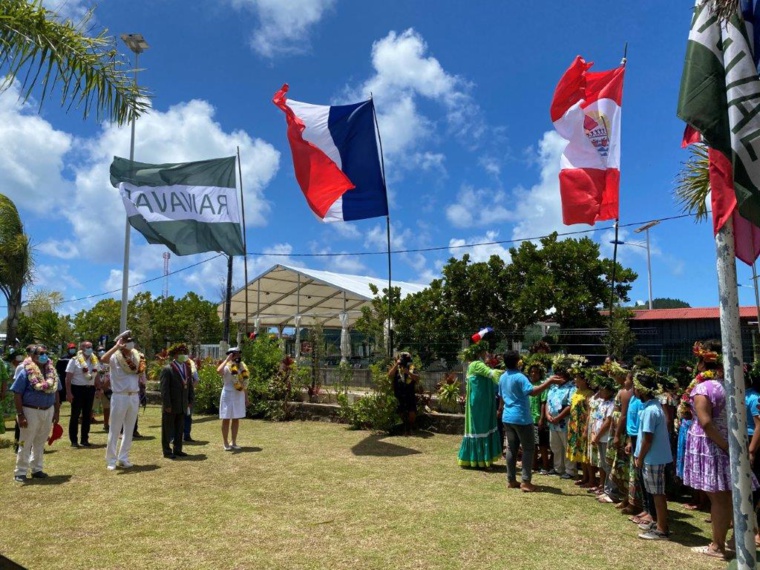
(645, 228)
(137, 44)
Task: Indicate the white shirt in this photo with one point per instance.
(123, 381)
(79, 378)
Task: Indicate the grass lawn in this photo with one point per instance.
(312, 495)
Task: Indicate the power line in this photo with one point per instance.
(398, 251)
(467, 245)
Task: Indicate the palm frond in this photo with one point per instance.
(693, 183)
(724, 9)
(43, 54)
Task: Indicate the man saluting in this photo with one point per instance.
(176, 384)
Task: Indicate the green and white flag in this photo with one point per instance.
(190, 207)
(720, 97)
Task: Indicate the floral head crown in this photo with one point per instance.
(704, 354)
(613, 369)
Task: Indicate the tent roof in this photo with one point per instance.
(282, 292)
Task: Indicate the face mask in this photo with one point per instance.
(19, 357)
(130, 346)
(43, 358)
(182, 358)
(87, 351)
(237, 359)
(101, 352)
(72, 351)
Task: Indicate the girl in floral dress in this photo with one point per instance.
(577, 427)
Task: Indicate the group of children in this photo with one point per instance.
(616, 431)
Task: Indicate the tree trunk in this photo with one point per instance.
(14, 311)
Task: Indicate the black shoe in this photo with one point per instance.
(74, 444)
(39, 475)
(20, 478)
(188, 438)
(170, 456)
(180, 454)
(86, 444)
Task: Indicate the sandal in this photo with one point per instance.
(707, 551)
(628, 510)
(690, 507)
(605, 499)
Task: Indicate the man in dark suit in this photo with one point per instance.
(176, 383)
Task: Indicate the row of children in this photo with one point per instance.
(629, 431)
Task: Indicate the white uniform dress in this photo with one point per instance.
(232, 402)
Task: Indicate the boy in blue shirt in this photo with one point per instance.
(515, 391)
(653, 451)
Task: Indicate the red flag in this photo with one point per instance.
(586, 111)
(746, 234)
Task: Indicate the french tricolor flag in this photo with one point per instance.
(586, 111)
(336, 158)
(478, 336)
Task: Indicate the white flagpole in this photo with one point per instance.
(730, 330)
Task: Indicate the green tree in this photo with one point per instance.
(15, 261)
(51, 55)
(373, 321)
(620, 338)
(664, 303)
(566, 280)
(101, 319)
(423, 325)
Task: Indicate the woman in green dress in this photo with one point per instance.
(481, 445)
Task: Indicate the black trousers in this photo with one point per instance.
(172, 427)
(81, 405)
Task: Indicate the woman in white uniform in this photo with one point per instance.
(234, 400)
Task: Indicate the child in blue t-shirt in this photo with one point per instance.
(653, 451)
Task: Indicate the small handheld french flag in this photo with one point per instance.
(478, 336)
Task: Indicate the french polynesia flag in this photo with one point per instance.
(586, 111)
(336, 158)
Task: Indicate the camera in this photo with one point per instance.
(405, 359)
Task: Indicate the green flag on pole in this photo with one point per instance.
(189, 207)
(720, 97)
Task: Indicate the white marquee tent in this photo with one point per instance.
(286, 296)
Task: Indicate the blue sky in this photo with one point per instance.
(462, 91)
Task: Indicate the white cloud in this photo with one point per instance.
(63, 249)
(73, 10)
(346, 230)
(539, 209)
(32, 158)
(479, 206)
(55, 277)
(284, 26)
(491, 165)
(479, 252)
(405, 72)
(185, 132)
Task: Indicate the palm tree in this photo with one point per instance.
(15, 262)
(693, 183)
(49, 54)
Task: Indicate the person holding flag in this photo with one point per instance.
(481, 444)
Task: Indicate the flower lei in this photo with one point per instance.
(125, 363)
(47, 383)
(241, 380)
(86, 370)
(684, 406)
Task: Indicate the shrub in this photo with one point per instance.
(376, 411)
(209, 389)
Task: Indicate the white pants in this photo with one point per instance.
(558, 444)
(123, 415)
(32, 440)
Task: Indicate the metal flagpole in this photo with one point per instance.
(228, 302)
(615, 246)
(730, 330)
(387, 233)
(245, 240)
(614, 270)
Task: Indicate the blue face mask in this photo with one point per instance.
(43, 358)
(87, 351)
